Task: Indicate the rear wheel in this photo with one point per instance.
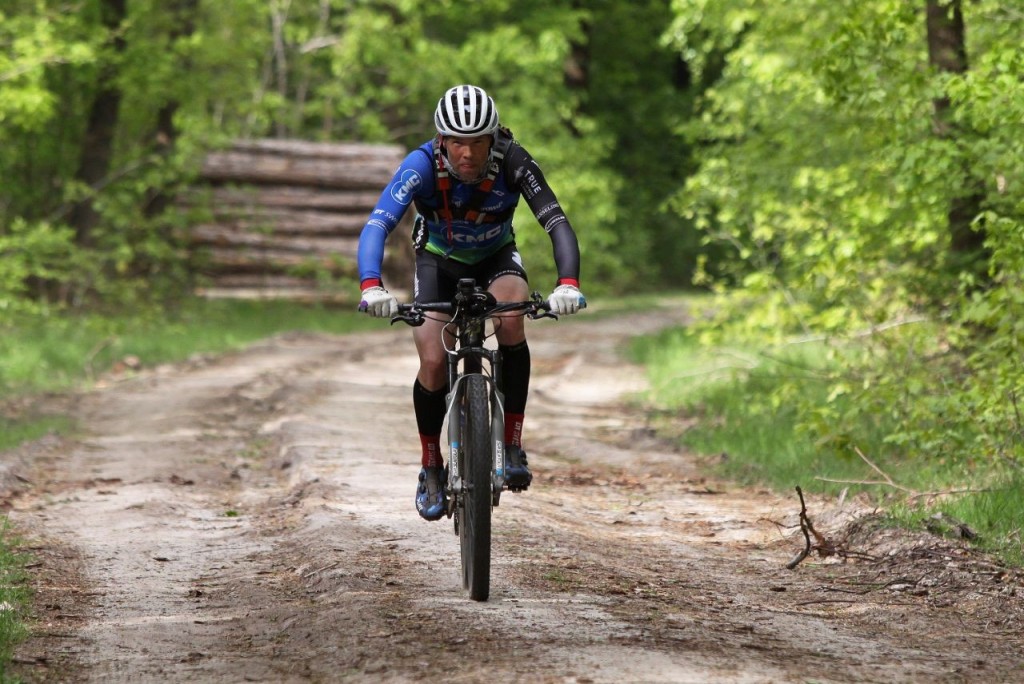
(475, 524)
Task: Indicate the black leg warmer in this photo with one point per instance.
(429, 407)
(515, 376)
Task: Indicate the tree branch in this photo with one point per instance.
(822, 545)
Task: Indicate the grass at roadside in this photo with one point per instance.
(14, 598)
(747, 430)
(54, 354)
(25, 428)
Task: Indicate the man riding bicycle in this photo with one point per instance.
(465, 184)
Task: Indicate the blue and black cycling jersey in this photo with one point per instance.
(451, 234)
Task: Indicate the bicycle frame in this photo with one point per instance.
(471, 367)
(470, 309)
(475, 359)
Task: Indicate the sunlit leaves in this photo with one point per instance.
(824, 175)
(30, 46)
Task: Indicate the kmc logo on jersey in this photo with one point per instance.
(402, 190)
(480, 238)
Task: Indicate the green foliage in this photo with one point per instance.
(833, 157)
(331, 70)
(35, 40)
(995, 515)
(55, 58)
(744, 411)
(790, 417)
(30, 251)
(648, 158)
(825, 181)
(991, 516)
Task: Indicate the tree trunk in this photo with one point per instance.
(279, 17)
(98, 145)
(947, 52)
(576, 69)
(183, 13)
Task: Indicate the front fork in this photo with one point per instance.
(497, 442)
(455, 417)
(456, 420)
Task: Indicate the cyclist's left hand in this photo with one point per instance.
(567, 299)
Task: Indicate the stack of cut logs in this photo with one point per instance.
(286, 217)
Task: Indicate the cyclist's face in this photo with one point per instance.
(468, 156)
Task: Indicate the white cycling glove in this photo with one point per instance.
(566, 299)
(378, 302)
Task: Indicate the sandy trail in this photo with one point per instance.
(250, 518)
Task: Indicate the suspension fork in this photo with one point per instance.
(497, 426)
(472, 355)
(469, 354)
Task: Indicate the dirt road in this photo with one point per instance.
(249, 518)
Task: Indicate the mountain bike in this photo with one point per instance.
(475, 417)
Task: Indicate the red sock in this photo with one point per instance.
(431, 451)
(514, 429)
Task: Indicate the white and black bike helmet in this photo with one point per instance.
(466, 111)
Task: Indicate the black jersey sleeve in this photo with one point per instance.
(527, 177)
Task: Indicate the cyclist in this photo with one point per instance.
(465, 184)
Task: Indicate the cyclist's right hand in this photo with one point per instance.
(378, 302)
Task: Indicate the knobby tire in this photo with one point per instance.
(475, 529)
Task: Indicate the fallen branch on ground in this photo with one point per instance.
(822, 545)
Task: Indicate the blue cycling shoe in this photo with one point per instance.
(517, 474)
(431, 502)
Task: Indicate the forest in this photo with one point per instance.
(842, 176)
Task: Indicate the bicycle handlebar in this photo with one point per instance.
(414, 314)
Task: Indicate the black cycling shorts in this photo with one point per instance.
(437, 278)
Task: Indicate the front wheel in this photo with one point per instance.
(475, 524)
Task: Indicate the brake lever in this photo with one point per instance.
(412, 318)
(542, 313)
